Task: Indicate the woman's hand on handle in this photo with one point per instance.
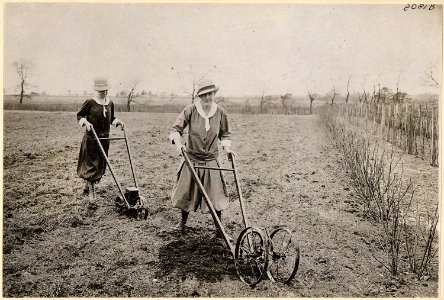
(87, 124)
(179, 146)
(230, 152)
(121, 124)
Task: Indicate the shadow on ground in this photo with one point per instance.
(196, 254)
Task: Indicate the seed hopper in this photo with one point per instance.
(129, 202)
(257, 253)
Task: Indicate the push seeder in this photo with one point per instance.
(129, 202)
(257, 254)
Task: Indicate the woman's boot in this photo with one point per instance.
(182, 224)
(92, 196)
(91, 191)
(86, 188)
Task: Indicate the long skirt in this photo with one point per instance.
(91, 164)
(186, 194)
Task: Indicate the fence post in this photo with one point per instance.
(432, 142)
(382, 119)
(409, 127)
(433, 149)
(395, 124)
(355, 115)
(421, 133)
(389, 122)
(399, 118)
(375, 114)
(365, 113)
(415, 127)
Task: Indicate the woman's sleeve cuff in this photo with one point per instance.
(82, 122)
(173, 136)
(114, 123)
(225, 143)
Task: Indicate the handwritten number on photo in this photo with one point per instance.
(419, 6)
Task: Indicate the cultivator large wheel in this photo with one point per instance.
(251, 256)
(284, 256)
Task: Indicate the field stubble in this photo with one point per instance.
(53, 245)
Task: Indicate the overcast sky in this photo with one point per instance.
(246, 49)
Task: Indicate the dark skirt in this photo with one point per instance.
(186, 194)
(92, 164)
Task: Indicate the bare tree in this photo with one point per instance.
(312, 96)
(22, 68)
(193, 90)
(285, 102)
(332, 95)
(348, 92)
(430, 79)
(265, 100)
(131, 96)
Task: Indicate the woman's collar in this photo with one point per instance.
(201, 111)
(100, 102)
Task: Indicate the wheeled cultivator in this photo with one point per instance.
(257, 254)
(129, 202)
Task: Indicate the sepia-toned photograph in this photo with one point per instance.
(221, 150)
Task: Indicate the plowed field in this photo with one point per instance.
(54, 245)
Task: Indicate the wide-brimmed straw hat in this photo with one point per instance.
(206, 86)
(101, 84)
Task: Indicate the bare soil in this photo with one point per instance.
(54, 245)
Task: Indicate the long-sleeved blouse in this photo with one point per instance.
(100, 116)
(202, 144)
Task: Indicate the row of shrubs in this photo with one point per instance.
(407, 232)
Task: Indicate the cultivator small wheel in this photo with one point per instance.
(137, 211)
(143, 210)
(142, 213)
(284, 256)
(251, 256)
